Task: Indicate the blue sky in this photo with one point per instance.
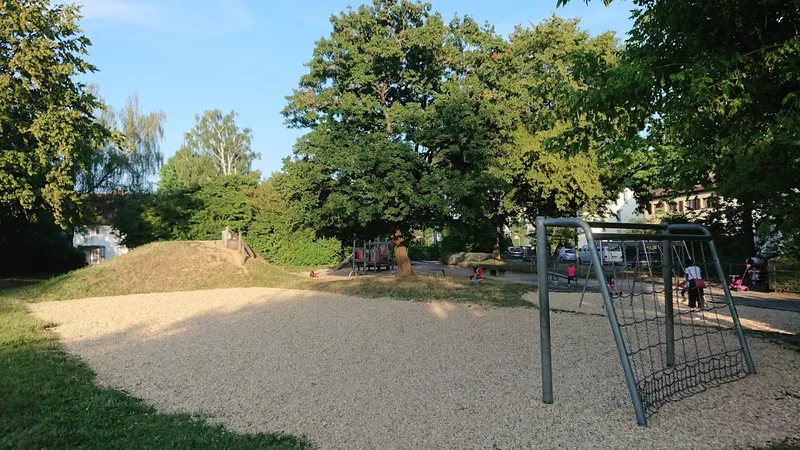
(186, 56)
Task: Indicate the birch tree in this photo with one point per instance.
(217, 136)
(132, 156)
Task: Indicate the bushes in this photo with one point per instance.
(785, 275)
(281, 246)
(235, 201)
(38, 246)
(223, 203)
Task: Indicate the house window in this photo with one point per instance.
(673, 207)
(95, 255)
(707, 203)
(693, 204)
(680, 206)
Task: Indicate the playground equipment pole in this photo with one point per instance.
(666, 264)
(748, 359)
(638, 406)
(544, 311)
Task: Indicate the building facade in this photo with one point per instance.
(624, 208)
(98, 242)
(698, 202)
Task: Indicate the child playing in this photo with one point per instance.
(571, 274)
(612, 287)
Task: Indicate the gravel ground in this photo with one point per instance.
(365, 373)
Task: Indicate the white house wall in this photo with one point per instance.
(624, 209)
(102, 235)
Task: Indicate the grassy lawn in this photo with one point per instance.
(182, 266)
(489, 292)
(50, 401)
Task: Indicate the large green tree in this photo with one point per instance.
(47, 130)
(366, 99)
(551, 155)
(187, 170)
(217, 137)
(715, 87)
(215, 146)
(416, 123)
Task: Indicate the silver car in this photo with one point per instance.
(566, 254)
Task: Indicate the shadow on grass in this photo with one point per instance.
(49, 400)
(496, 293)
(20, 281)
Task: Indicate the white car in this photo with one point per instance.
(609, 254)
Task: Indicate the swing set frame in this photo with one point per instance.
(666, 234)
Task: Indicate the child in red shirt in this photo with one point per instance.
(571, 274)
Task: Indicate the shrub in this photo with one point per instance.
(785, 275)
(296, 248)
(36, 247)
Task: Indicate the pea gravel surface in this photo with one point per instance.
(353, 373)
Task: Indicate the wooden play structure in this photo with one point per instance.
(235, 241)
(374, 255)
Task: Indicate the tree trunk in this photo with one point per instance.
(748, 234)
(401, 254)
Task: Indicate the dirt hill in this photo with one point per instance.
(156, 267)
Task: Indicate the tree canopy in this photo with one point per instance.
(217, 137)
(49, 132)
(130, 159)
(714, 88)
(418, 123)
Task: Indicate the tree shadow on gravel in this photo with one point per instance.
(306, 365)
(49, 399)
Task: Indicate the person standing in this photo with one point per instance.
(694, 284)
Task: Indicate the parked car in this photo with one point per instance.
(648, 259)
(609, 254)
(566, 254)
(516, 252)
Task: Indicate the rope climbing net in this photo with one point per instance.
(676, 329)
(702, 350)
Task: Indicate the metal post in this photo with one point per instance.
(751, 368)
(585, 283)
(666, 264)
(638, 407)
(544, 311)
